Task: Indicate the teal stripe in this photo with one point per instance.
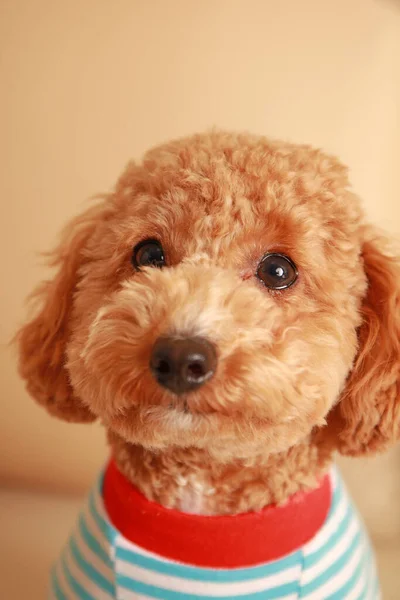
(338, 489)
(106, 528)
(89, 570)
(349, 585)
(93, 543)
(59, 594)
(333, 569)
(341, 530)
(78, 590)
(210, 575)
(338, 493)
(366, 588)
(163, 594)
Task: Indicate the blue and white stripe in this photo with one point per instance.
(98, 563)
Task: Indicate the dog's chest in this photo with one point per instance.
(194, 496)
(192, 500)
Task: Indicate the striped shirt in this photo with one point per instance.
(99, 563)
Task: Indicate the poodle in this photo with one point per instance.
(231, 318)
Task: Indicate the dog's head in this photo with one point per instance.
(227, 296)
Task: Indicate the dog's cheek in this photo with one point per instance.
(302, 375)
(332, 351)
(105, 360)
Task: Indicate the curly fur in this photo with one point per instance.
(301, 372)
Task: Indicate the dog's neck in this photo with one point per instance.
(188, 479)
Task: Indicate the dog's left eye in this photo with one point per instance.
(277, 271)
(148, 253)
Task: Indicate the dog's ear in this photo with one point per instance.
(369, 409)
(42, 341)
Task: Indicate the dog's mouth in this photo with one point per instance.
(181, 405)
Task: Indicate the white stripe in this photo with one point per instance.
(88, 584)
(354, 594)
(357, 589)
(334, 583)
(95, 530)
(99, 504)
(378, 596)
(121, 542)
(374, 589)
(125, 594)
(207, 588)
(335, 478)
(333, 554)
(373, 580)
(322, 537)
(93, 559)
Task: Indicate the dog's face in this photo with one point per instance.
(216, 297)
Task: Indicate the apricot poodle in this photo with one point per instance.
(230, 317)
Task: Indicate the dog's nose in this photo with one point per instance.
(183, 365)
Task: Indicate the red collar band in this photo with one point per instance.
(218, 541)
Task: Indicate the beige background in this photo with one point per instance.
(88, 84)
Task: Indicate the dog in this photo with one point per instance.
(233, 320)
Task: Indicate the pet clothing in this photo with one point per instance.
(125, 547)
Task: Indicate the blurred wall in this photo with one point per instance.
(87, 85)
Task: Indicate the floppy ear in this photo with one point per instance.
(42, 341)
(369, 409)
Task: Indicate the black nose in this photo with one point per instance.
(182, 365)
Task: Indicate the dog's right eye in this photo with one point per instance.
(148, 253)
